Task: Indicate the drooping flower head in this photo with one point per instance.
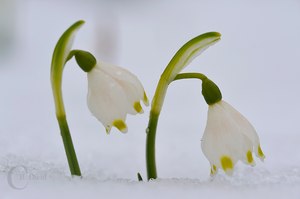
(113, 92)
(228, 136)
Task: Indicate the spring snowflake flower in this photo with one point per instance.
(114, 92)
(228, 138)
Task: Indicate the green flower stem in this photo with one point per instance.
(181, 59)
(150, 146)
(154, 116)
(68, 144)
(210, 90)
(190, 76)
(59, 59)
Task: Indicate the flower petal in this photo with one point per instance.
(224, 142)
(105, 98)
(130, 84)
(245, 127)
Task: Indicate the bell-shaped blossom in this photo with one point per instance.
(113, 92)
(228, 138)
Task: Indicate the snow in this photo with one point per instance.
(49, 181)
(256, 66)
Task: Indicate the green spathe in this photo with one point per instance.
(211, 92)
(84, 59)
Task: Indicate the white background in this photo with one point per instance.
(256, 65)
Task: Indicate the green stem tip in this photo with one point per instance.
(140, 179)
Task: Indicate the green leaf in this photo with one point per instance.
(59, 58)
(188, 52)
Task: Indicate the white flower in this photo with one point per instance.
(112, 93)
(228, 138)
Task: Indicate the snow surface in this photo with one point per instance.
(256, 65)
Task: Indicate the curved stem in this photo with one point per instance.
(190, 76)
(59, 59)
(156, 107)
(180, 60)
(154, 116)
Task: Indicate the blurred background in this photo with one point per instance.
(256, 65)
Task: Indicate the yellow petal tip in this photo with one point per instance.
(120, 125)
(227, 164)
(213, 170)
(108, 128)
(145, 99)
(137, 107)
(260, 153)
(250, 158)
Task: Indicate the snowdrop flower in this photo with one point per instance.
(228, 136)
(113, 92)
